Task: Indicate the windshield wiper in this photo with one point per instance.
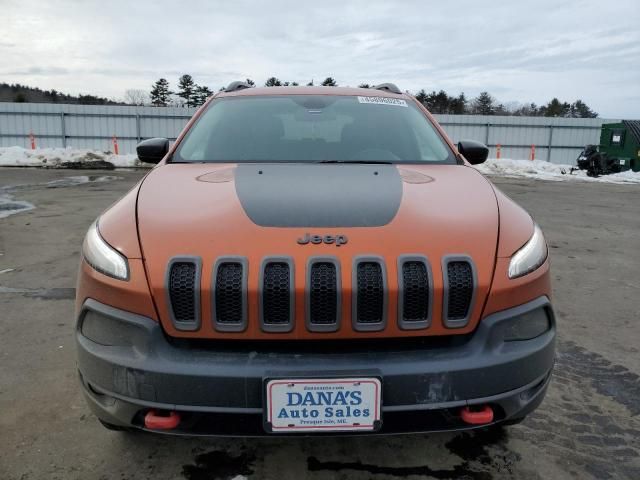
(373, 162)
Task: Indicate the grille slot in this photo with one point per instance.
(323, 295)
(415, 292)
(276, 300)
(183, 287)
(369, 295)
(459, 291)
(230, 294)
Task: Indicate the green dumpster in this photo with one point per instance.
(622, 141)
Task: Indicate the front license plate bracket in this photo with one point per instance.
(322, 405)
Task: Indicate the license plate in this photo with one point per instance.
(323, 405)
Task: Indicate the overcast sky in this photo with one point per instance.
(524, 50)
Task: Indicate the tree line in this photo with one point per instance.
(486, 104)
(190, 94)
(18, 93)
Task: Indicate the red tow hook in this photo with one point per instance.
(480, 415)
(154, 421)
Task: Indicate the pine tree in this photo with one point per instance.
(421, 96)
(458, 105)
(438, 102)
(273, 82)
(187, 89)
(251, 83)
(329, 82)
(483, 104)
(310, 84)
(581, 110)
(201, 94)
(160, 93)
(365, 85)
(555, 108)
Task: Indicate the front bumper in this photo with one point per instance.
(218, 387)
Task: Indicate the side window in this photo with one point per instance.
(429, 143)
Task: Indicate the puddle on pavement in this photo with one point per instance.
(219, 465)
(10, 206)
(79, 180)
(459, 471)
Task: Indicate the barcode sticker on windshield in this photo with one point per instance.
(383, 101)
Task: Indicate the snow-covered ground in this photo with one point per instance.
(541, 170)
(81, 158)
(65, 158)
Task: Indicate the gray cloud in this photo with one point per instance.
(530, 50)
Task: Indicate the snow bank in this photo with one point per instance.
(66, 158)
(82, 158)
(541, 170)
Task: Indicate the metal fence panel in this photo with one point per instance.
(558, 140)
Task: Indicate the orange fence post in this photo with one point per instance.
(498, 146)
(533, 152)
(32, 139)
(115, 144)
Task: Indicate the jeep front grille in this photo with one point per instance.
(369, 312)
(414, 292)
(323, 297)
(183, 286)
(323, 293)
(459, 285)
(230, 295)
(277, 294)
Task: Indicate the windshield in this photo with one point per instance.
(313, 128)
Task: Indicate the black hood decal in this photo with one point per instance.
(319, 195)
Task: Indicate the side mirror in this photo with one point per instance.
(152, 150)
(474, 152)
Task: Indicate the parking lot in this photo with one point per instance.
(588, 427)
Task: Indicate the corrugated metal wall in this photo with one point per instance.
(88, 126)
(558, 140)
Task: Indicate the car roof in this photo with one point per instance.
(343, 91)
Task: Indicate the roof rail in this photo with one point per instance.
(388, 87)
(233, 86)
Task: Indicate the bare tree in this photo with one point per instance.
(134, 96)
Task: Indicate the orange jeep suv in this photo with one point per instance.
(313, 260)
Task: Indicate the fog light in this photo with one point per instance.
(527, 326)
(109, 331)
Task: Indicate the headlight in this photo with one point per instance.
(102, 257)
(529, 257)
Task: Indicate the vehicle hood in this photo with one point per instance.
(259, 210)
